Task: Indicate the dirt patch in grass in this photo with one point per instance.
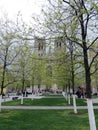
(79, 113)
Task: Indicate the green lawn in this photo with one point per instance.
(52, 101)
(44, 120)
(38, 102)
(48, 101)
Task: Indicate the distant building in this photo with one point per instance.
(59, 44)
(40, 46)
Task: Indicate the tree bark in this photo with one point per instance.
(87, 72)
(91, 114)
(4, 70)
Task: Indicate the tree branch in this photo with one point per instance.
(94, 71)
(93, 59)
(93, 42)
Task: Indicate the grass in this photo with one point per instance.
(52, 95)
(43, 120)
(47, 101)
(52, 100)
(38, 102)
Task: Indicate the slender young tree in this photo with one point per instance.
(7, 53)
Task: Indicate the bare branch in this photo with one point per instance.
(75, 41)
(12, 60)
(66, 2)
(93, 59)
(93, 42)
(94, 71)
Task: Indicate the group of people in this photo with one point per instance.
(80, 92)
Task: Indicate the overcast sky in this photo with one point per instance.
(26, 7)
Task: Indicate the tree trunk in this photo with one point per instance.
(21, 99)
(87, 74)
(23, 81)
(2, 87)
(32, 88)
(3, 79)
(91, 114)
(0, 102)
(69, 86)
(4, 70)
(74, 104)
(69, 99)
(88, 90)
(72, 67)
(38, 89)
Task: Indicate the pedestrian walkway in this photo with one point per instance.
(95, 100)
(44, 107)
(10, 98)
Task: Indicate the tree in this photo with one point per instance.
(76, 20)
(84, 12)
(84, 15)
(7, 52)
(55, 27)
(73, 20)
(21, 65)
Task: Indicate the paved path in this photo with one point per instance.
(95, 100)
(45, 107)
(10, 98)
